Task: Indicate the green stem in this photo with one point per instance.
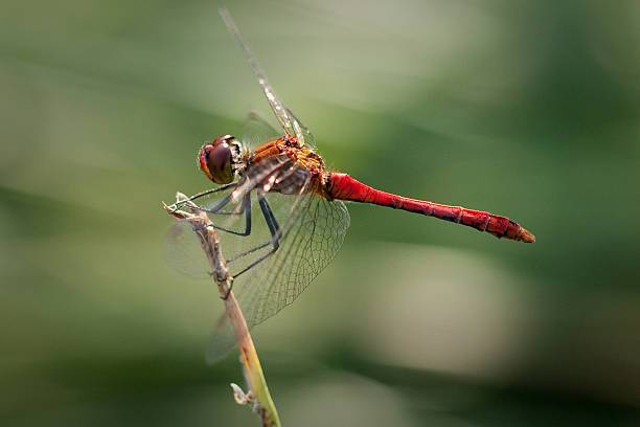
(259, 394)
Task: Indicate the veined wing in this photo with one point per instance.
(256, 130)
(311, 238)
(302, 131)
(289, 122)
(314, 234)
(309, 230)
(313, 231)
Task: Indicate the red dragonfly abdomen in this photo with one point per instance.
(343, 187)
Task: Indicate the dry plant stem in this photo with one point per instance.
(258, 394)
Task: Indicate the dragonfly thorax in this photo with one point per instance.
(222, 159)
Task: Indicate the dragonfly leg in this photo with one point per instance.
(178, 205)
(246, 210)
(218, 206)
(226, 295)
(274, 242)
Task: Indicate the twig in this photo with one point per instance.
(258, 394)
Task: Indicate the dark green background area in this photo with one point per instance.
(528, 109)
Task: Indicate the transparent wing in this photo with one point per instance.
(222, 341)
(290, 124)
(302, 130)
(184, 253)
(307, 229)
(256, 130)
(312, 239)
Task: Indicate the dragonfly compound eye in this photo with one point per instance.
(216, 160)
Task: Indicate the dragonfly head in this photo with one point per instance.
(221, 159)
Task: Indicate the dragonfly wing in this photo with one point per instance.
(256, 130)
(222, 341)
(302, 132)
(288, 121)
(310, 232)
(313, 233)
(183, 251)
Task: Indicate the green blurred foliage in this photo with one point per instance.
(528, 109)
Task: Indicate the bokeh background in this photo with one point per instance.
(528, 109)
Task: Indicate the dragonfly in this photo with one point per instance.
(278, 177)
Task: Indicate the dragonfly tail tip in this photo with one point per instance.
(527, 236)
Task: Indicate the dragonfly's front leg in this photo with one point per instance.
(180, 204)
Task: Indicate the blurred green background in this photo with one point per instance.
(528, 109)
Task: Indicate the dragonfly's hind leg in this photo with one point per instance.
(274, 242)
(246, 210)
